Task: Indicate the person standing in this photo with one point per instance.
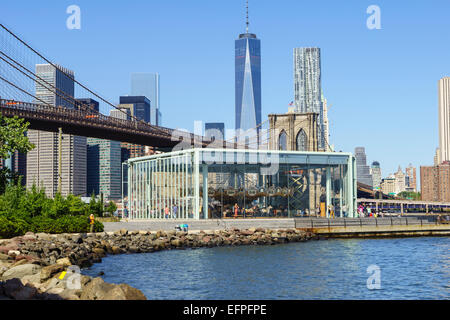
(91, 223)
(166, 212)
(236, 210)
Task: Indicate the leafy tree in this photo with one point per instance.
(111, 208)
(12, 139)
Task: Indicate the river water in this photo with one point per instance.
(409, 268)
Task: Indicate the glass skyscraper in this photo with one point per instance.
(139, 106)
(247, 84)
(104, 168)
(307, 86)
(147, 84)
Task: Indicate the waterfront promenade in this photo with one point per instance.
(338, 227)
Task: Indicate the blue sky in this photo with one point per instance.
(382, 84)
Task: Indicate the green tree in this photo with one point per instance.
(12, 139)
(111, 208)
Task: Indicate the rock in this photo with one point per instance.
(96, 289)
(21, 271)
(133, 249)
(116, 250)
(49, 271)
(64, 261)
(13, 253)
(176, 243)
(69, 294)
(43, 236)
(4, 256)
(20, 262)
(34, 278)
(14, 288)
(29, 236)
(99, 251)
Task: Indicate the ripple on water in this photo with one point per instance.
(411, 268)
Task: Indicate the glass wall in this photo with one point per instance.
(212, 184)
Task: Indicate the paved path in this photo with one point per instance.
(271, 223)
(219, 224)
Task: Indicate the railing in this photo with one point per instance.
(360, 222)
(90, 117)
(81, 115)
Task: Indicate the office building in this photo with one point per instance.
(375, 171)
(147, 84)
(58, 162)
(435, 182)
(388, 185)
(104, 168)
(307, 86)
(400, 181)
(362, 169)
(444, 118)
(247, 86)
(90, 103)
(139, 107)
(410, 178)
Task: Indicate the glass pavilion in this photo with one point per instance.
(233, 183)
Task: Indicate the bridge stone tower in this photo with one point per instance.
(294, 131)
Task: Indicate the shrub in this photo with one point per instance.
(43, 224)
(12, 227)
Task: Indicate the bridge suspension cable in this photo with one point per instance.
(162, 129)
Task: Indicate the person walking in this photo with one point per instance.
(174, 211)
(91, 223)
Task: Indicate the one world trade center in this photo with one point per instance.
(248, 87)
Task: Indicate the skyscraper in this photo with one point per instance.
(139, 106)
(307, 86)
(56, 163)
(104, 168)
(375, 171)
(411, 182)
(362, 169)
(444, 118)
(147, 84)
(247, 84)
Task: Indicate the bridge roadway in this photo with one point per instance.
(96, 125)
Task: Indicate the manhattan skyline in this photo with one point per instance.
(382, 84)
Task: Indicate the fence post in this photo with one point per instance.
(345, 226)
(376, 222)
(360, 222)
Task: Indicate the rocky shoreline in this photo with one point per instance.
(34, 266)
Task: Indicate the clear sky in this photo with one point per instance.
(382, 84)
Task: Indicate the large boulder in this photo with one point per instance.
(96, 289)
(64, 261)
(49, 271)
(124, 292)
(21, 271)
(15, 289)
